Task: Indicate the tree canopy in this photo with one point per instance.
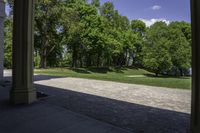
(79, 33)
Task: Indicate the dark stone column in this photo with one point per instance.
(2, 15)
(195, 117)
(22, 86)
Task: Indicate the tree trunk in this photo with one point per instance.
(81, 61)
(121, 60)
(88, 60)
(108, 63)
(126, 58)
(74, 57)
(181, 72)
(43, 55)
(98, 59)
(128, 61)
(156, 74)
(43, 62)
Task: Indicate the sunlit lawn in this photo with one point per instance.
(126, 75)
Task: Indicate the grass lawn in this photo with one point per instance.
(125, 75)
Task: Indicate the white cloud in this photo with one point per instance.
(156, 7)
(150, 22)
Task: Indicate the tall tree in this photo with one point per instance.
(76, 18)
(156, 50)
(46, 19)
(180, 47)
(139, 28)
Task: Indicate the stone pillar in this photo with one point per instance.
(2, 15)
(22, 87)
(195, 116)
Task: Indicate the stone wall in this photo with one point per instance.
(2, 15)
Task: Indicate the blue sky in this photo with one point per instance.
(7, 9)
(151, 11)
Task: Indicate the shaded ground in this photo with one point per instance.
(139, 109)
(45, 117)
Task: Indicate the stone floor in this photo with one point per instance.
(44, 117)
(134, 108)
(158, 97)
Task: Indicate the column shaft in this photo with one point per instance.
(22, 86)
(195, 117)
(2, 15)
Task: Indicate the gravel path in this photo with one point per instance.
(158, 97)
(136, 108)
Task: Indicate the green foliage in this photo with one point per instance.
(180, 47)
(8, 43)
(156, 56)
(96, 3)
(36, 60)
(107, 10)
(77, 33)
(138, 26)
(167, 48)
(47, 37)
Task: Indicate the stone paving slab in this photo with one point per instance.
(158, 97)
(136, 113)
(137, 108)
(42, 117)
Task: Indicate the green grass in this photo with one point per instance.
(138, 76)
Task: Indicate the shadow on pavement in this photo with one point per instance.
(133, 117)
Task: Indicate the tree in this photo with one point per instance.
(8, 43)
(77, 18)
(138, 27)
(157, 58)
(156, 50)
(184, 27)
(180, 47)
(107, 10)
(94, 37)
(96, 3)
(46, 19)
(81, 33)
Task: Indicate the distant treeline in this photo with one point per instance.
(79, 33)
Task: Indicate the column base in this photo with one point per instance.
(23, 96)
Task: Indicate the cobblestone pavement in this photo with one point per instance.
(163, 98)
(138, 108)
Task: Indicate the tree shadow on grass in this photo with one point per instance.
(80, 70)
(165, 76)
(100, 70)
(119, 69)
(107, 69)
